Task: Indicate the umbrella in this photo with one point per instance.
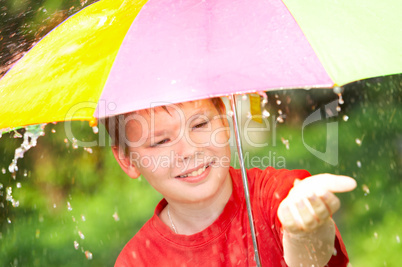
(176, 51)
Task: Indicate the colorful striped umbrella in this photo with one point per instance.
(176, 51)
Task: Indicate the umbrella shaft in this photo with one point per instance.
(236, 127)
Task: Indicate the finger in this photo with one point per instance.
(331, 201)
(288, 221)
(308, 220)
(329, 182)
(319, 208)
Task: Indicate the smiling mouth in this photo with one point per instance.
(196, 172)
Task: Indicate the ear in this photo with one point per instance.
(125, 163)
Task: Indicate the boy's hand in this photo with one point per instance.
(311, 202)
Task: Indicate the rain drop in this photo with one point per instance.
(375, 235)
(359, 164)
(280, 119)
(230, 113)
(95, 129)
(53, 130)
(76, 245)
(116, 216)
(340, 101)
(398, 240)
(366, 189)
(338, 90)
(278, 102)
(8, 220)
(81, 235)
(1, 186)
(18, 185)
(75, 145)
(280, 111)
(358, 142)
(265, 113)
(88, 255)
(345, 118)
(338, 108)
(3, 170)
(83, 218)
(69, 208)
(285, 142)
(88, 149)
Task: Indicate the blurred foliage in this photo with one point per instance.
(73, 201)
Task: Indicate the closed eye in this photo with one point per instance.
(200, 125)
(164, 141)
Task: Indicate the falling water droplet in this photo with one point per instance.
(285, 142)
(280, 111)
(76, 244)
(116, 216)
(54, 205)
(338, 108)
(88, 149)
(3, 170)
(83, 218)
(340, 101)
(278, 102)
(366, 189)
(18, 185)
(69, 208)
(8, 220)
(265, 113)
(280, 119)
(375, 235)
(359, 164)
(81, 235)
(345, 117)
(1, 186)
(230, 113)
(75, 145)
(358, 142)
(88, 255)
(95, 129)
(65, 140)
(25, 173)
(53, 130)
(398, 240)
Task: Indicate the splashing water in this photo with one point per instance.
(31, 135)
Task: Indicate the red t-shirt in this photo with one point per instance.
(226, 242)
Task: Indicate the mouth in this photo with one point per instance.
(196, 172)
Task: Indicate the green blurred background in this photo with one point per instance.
(75, 207)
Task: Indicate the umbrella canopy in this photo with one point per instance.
(177, 51)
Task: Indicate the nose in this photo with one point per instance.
(186, 149)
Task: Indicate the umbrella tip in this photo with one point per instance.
(93, 122)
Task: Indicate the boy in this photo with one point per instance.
(183, 152)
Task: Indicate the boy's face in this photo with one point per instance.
(183, 152)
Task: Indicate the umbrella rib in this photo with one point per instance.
(244, 178)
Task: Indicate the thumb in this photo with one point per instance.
(331, 182)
